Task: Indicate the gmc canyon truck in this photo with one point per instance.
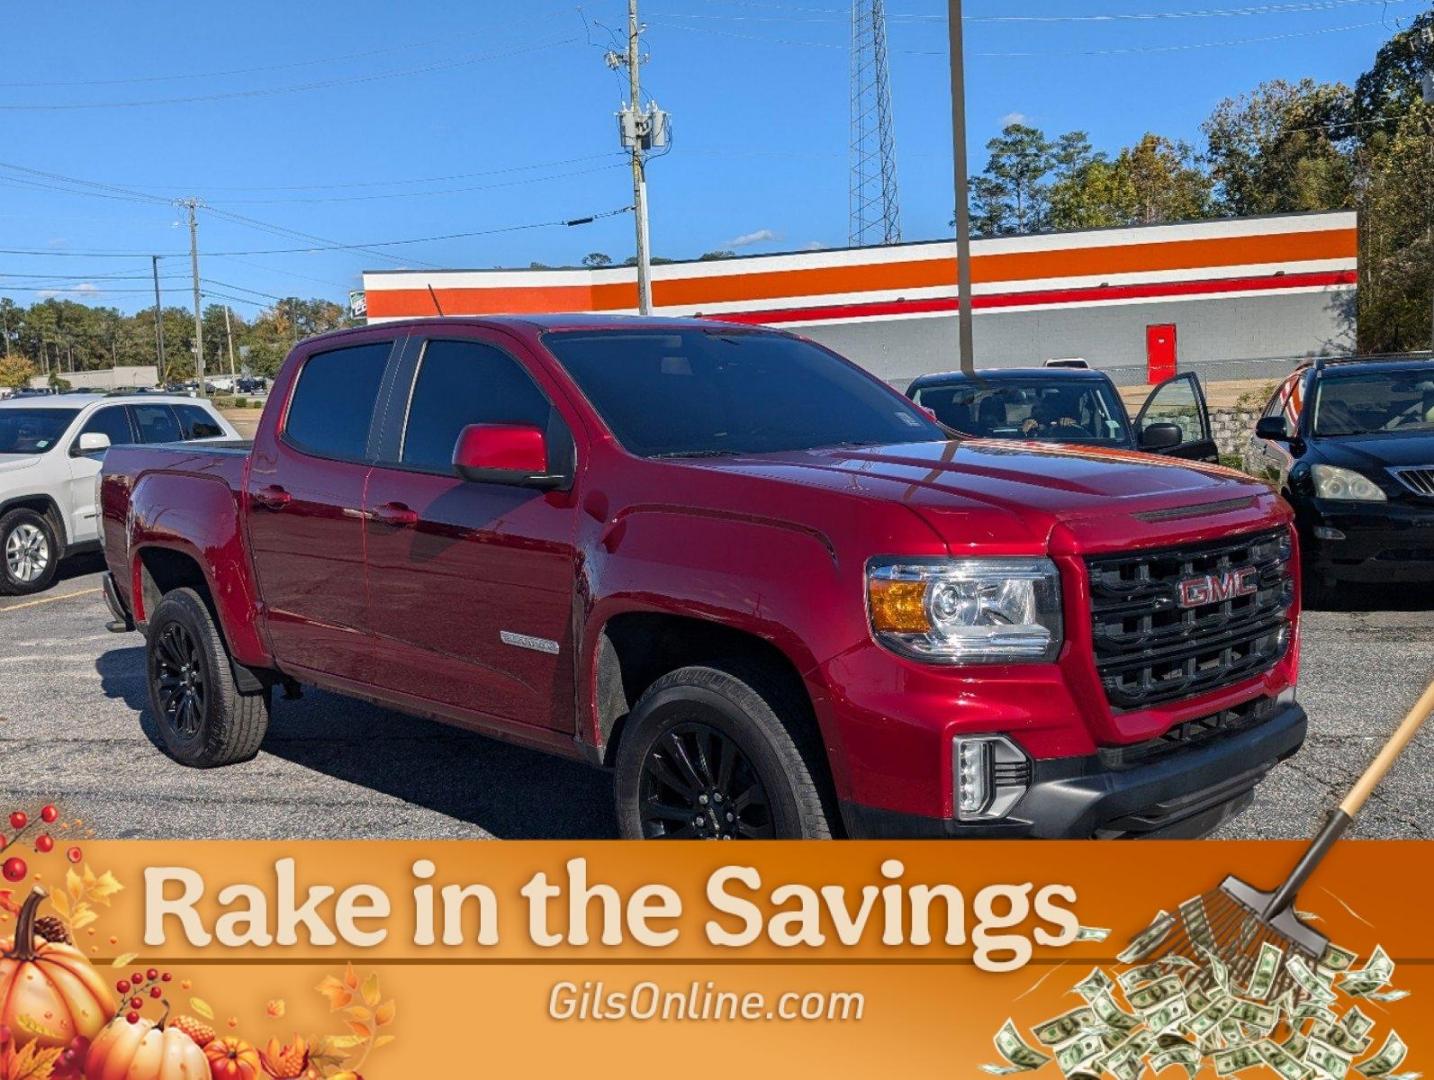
(762, 586)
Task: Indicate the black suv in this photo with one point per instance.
(1350, 443)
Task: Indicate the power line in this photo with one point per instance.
(323, 84)
(841, 14)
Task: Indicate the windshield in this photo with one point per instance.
(1062, 410)
(700, 393)
(32, 431)
(1374, 401)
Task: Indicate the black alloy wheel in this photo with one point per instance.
(697, 784)
(179, 681)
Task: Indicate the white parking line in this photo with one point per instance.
(49, 600)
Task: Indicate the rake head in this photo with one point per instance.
(1231, 925)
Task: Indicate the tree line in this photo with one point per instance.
(1282, 148)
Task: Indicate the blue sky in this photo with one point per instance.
(365, 121)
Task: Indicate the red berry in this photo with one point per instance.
(44, 843)
(136, 1003)
(74, 854)
(19, 819)
(49, 815)
(14, 869)
(155, 992)
(137, 978)
(122, 986)
(132, 1017)
(152, 974)
(165, 977)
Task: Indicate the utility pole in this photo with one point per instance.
(158, 322)
(1427, 86)
(640, 130)
(192, 204)
(965, 322)
(5, 330)
(229, 333)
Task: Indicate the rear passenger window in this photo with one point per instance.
(197, 424)
(156, 424)
(461, 383)
(333, 404)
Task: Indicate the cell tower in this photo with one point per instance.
(875, 215)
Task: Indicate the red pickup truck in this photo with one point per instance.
(768, 591)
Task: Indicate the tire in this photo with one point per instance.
(670, 781)
(203, 719)
(29, 552)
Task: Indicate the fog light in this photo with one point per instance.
(1326, 532)
(990, 775)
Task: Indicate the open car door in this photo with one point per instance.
(1180, 402)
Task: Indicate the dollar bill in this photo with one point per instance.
(1197, 922)
(1276, 1057)
(1209, 1019)
(1313, 986)
(1375, 975)
(1092, 933)
(1340, 1037)
(1112, 1015)
(1218, 972)
(1327, 1059)
(1149, 939)
(1391, 1055)
(1085, 1049)
(1168, 1015)
(1387, 996)
(1267, 968)
(1146, 999)
(1019, 1056)
(1313, 1010)
(1356, 1023)
(1145, 973)
(1237, 1059)
(1337, 959)
(1185, 1056)
(1296, 1044)
(1094, 985)
(1064, 1028)
(1258, 1016)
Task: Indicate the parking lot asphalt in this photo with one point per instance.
(75, 725)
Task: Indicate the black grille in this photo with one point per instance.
(1149, 649)
(1418, 480)
(1198, 732)
(1012, 773)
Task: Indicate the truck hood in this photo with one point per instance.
(1044, 486)
(1372, 452)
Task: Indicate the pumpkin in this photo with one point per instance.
(233, 1059)
(144, 1050)
(49, 993)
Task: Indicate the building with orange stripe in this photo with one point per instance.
(1249, 294)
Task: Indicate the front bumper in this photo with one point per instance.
(1183, 794)
(1383, 542)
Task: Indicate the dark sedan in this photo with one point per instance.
(1351, 445)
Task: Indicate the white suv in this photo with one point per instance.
(50, 452)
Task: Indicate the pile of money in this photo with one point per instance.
(1193, 1012)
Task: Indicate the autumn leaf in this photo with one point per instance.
(33, 1063)
(371, 994)
(123, 960)
(351, 979)
(276, 1008)
(61, 903)
(383, 1040)
(384, 1014)
(101, 889)
(74, 885)
(359, 1013)
(338, 1043)
(337, 993)
(363, 1031)
(202, 1007)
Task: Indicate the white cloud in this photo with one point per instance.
(85, 288)
(814, 245)
(761, 236)
(1014, 118)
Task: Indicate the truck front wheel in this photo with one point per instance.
(203, 718)
(704, 756)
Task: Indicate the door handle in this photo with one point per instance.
(272, 497)
(397, 515)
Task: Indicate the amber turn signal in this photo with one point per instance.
(898, 607)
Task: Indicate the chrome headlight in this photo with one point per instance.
(967, 611)
(1332, 482)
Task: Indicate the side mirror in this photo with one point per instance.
(515, 454)
(93, 442)
(1273, 428)
(1158, 437)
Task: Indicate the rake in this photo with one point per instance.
(1236, 920)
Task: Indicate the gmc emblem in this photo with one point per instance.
(1213, 588)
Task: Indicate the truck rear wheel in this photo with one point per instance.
(704, 756)
(204, 720)
(29, 552)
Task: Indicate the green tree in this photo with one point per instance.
(1011, 194)
(15, 371)
(712, 256)
(1282, 149)
(1385, 93)
(596, 260)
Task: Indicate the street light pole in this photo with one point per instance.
(158, 321)
(965, 322)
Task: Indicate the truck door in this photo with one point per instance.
(471, 584)
(305, 505)
(1181, 401)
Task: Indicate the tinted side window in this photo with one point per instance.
(112, 421)
(461, 383)
(333, 404)
(156, 424)
(197, 423)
